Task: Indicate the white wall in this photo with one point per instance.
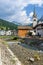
(2, 32)
(33, 33)
(34, 22)
(8, 32)
(40, 32)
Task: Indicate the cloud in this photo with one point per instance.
(39, 2)
(12, 10)
(31, 14)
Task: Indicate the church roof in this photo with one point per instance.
(41, 24)
(34, 13)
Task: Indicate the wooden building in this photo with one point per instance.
(23, 30)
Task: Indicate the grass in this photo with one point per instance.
(4, 37)
(10, 38)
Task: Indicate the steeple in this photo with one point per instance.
(34, 13)
(34, 18)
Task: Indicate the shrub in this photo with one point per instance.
(15, 38)
(30, 33)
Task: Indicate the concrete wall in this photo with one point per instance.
(40, 31)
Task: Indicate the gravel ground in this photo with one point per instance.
(23, 54)
(7, 57)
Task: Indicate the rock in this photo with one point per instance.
(31, 59)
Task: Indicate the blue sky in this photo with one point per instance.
(38, 10)
(20, 10)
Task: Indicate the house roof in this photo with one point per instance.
(41, 24)
(24, 28)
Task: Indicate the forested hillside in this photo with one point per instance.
(7, 25)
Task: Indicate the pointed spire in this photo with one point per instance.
(34, 10)
(34, 13)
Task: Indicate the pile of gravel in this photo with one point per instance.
(23, 54)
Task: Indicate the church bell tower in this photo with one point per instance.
(34, 18)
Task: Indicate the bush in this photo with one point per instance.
(15, 38)
(30, 33)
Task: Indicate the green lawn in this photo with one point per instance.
(4, 37)
(10, 38)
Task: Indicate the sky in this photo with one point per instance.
(20, 11)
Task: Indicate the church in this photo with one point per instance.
(38, 25)
(36, 28)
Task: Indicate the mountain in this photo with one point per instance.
(17, 23)
(31, 24)
(7, 25)
(41, 19)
